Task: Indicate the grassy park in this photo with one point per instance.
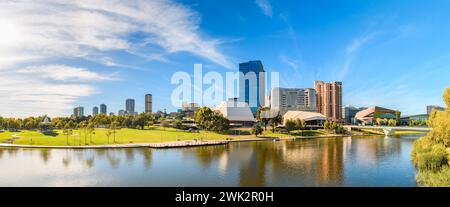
(99, 137)
(126, 135)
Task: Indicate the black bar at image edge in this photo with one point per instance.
(224, 196)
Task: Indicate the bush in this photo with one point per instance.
(426, 178)
(427, 155)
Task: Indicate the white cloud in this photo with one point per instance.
(64, 73)
(36, 33)
(265, 6)
(85, 27)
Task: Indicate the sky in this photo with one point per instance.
(58, 54)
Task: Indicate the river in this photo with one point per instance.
(351, 161)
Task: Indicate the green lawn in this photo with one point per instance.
(99, 138)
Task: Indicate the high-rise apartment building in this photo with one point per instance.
(95, 110)
(129, 106)
(436, 108)
(329, 99)
(78, 111)
(148, 103)
(252, 84)
(103, 109)
(293, 99)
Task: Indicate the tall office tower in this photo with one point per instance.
(129, 106)
(78, 111)
(329, 99)
(252, 84)
(103, 109)
(293, 99)
(436, 108)
(148, 103)
(95, 110)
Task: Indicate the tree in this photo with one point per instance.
(203, 118)
(379, 121)
(392, 122)
(219, 122)
(207, 119)
(256, 130)
(300, 124)
(90, 129)
(177, 124)
(68, 131)
(113, 127)
(290, 125)
(277, 120)
(446, 98)
(264, 118)
(397, 117)
(165, 124)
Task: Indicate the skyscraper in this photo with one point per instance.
(129, 106)
(78, 111)
(296, 99)
(329, 99)
(252, 84)
(103, 109)
(148, 103)
(95, 110)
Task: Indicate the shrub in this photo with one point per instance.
(427, 155)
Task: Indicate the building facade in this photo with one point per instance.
(78, 111)
(129, 106)
(252, 84)
(349, 113)
(293, 99)
(103, 109)
(95, 110)
(436, 108)
(329, 99)
(148, 103)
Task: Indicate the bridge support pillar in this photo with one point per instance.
(388, 131)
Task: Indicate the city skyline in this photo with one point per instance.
(384, 55)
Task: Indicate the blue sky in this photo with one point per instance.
(394, 54)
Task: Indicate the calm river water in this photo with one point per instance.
(368, 161)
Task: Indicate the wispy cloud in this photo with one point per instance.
(36, 35)
(64, 73)
(351, 52)
(81, 28)
(265, 7)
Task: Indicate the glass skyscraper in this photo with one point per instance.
(252, 84)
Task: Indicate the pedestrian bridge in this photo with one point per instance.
(388, 130)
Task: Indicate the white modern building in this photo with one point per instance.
(238, 112)
(293, 99)
(311, 118)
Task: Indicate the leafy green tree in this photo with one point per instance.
(392, 122)
(203, 118)
(165, 124)
(300, 124)
(290, 125)
(264, 119)
(91, 130)
(277, 120)
(219, 122)
(67, 130)
(397, 117)
(177, 124)
(113, 127)
(256, 130)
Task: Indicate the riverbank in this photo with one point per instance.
(175, 144)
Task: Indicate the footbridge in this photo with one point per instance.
(388, 130)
